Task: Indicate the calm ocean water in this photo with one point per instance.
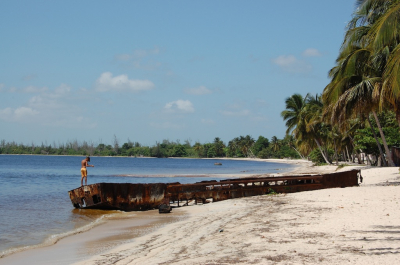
(35, 207)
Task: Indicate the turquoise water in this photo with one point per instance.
(35, 207)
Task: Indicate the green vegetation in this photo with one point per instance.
(243, 146)
(357, 115)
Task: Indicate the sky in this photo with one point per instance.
(146, 71)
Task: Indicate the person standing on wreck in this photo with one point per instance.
(85, 164)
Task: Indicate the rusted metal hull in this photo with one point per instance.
(137, 197)
(119, 196)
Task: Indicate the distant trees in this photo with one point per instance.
(242, 146)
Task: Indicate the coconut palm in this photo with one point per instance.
(293, 112)
(380, 22)
(315, 127)
(198, 147)
(303, 120)
(275, 144)
(219, 147)
(292, 144)
(245, 143)
(357, 80)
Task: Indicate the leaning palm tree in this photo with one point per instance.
(302, 120)
(315, 126)
(380, 21)
(356, 81)
(293, 112)
(291, 143)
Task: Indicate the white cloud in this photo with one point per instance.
(201, 90)
(311, 52)
(63, 89)
(106, 82)
(56, 108)
(1, 86)
(285, 60)
(291, 64)
(20, 114)
(179, 106)
(238, 113)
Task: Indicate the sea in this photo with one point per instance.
(35, 209)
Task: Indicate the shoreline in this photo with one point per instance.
(82, 244)
(184, 215)
(356, 225)
(52, 239)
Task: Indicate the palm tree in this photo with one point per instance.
(381, 21)
(275, 144)
(245, 143)
(291, 143)
(233, 146)
(356, 82)
(315, 126)
(198, 147)
(293, 112)
(219, 147)
(303, 120)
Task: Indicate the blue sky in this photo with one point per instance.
(153, 70)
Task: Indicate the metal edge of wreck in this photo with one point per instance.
(143, 196)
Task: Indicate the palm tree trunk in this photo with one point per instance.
(388, 155)
(398, 114)
(322, 152)
(336, 154)
(377, 141)
(348, 155)
(326, 153)
(368, 160)
(302, 157)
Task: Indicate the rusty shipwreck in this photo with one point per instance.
(139, 197)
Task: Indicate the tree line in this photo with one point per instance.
(358, 112)
(242, 146)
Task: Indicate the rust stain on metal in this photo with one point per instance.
(139, 197)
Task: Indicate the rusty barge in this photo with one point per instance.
(140, 197)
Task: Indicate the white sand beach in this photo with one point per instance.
(355, 225)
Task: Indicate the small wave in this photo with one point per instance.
(53, 239)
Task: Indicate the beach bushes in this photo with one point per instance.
(317, 158)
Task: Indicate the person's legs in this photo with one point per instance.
(84, 176)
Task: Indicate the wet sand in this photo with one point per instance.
(120, 229)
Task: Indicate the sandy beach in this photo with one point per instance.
(356, 225)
